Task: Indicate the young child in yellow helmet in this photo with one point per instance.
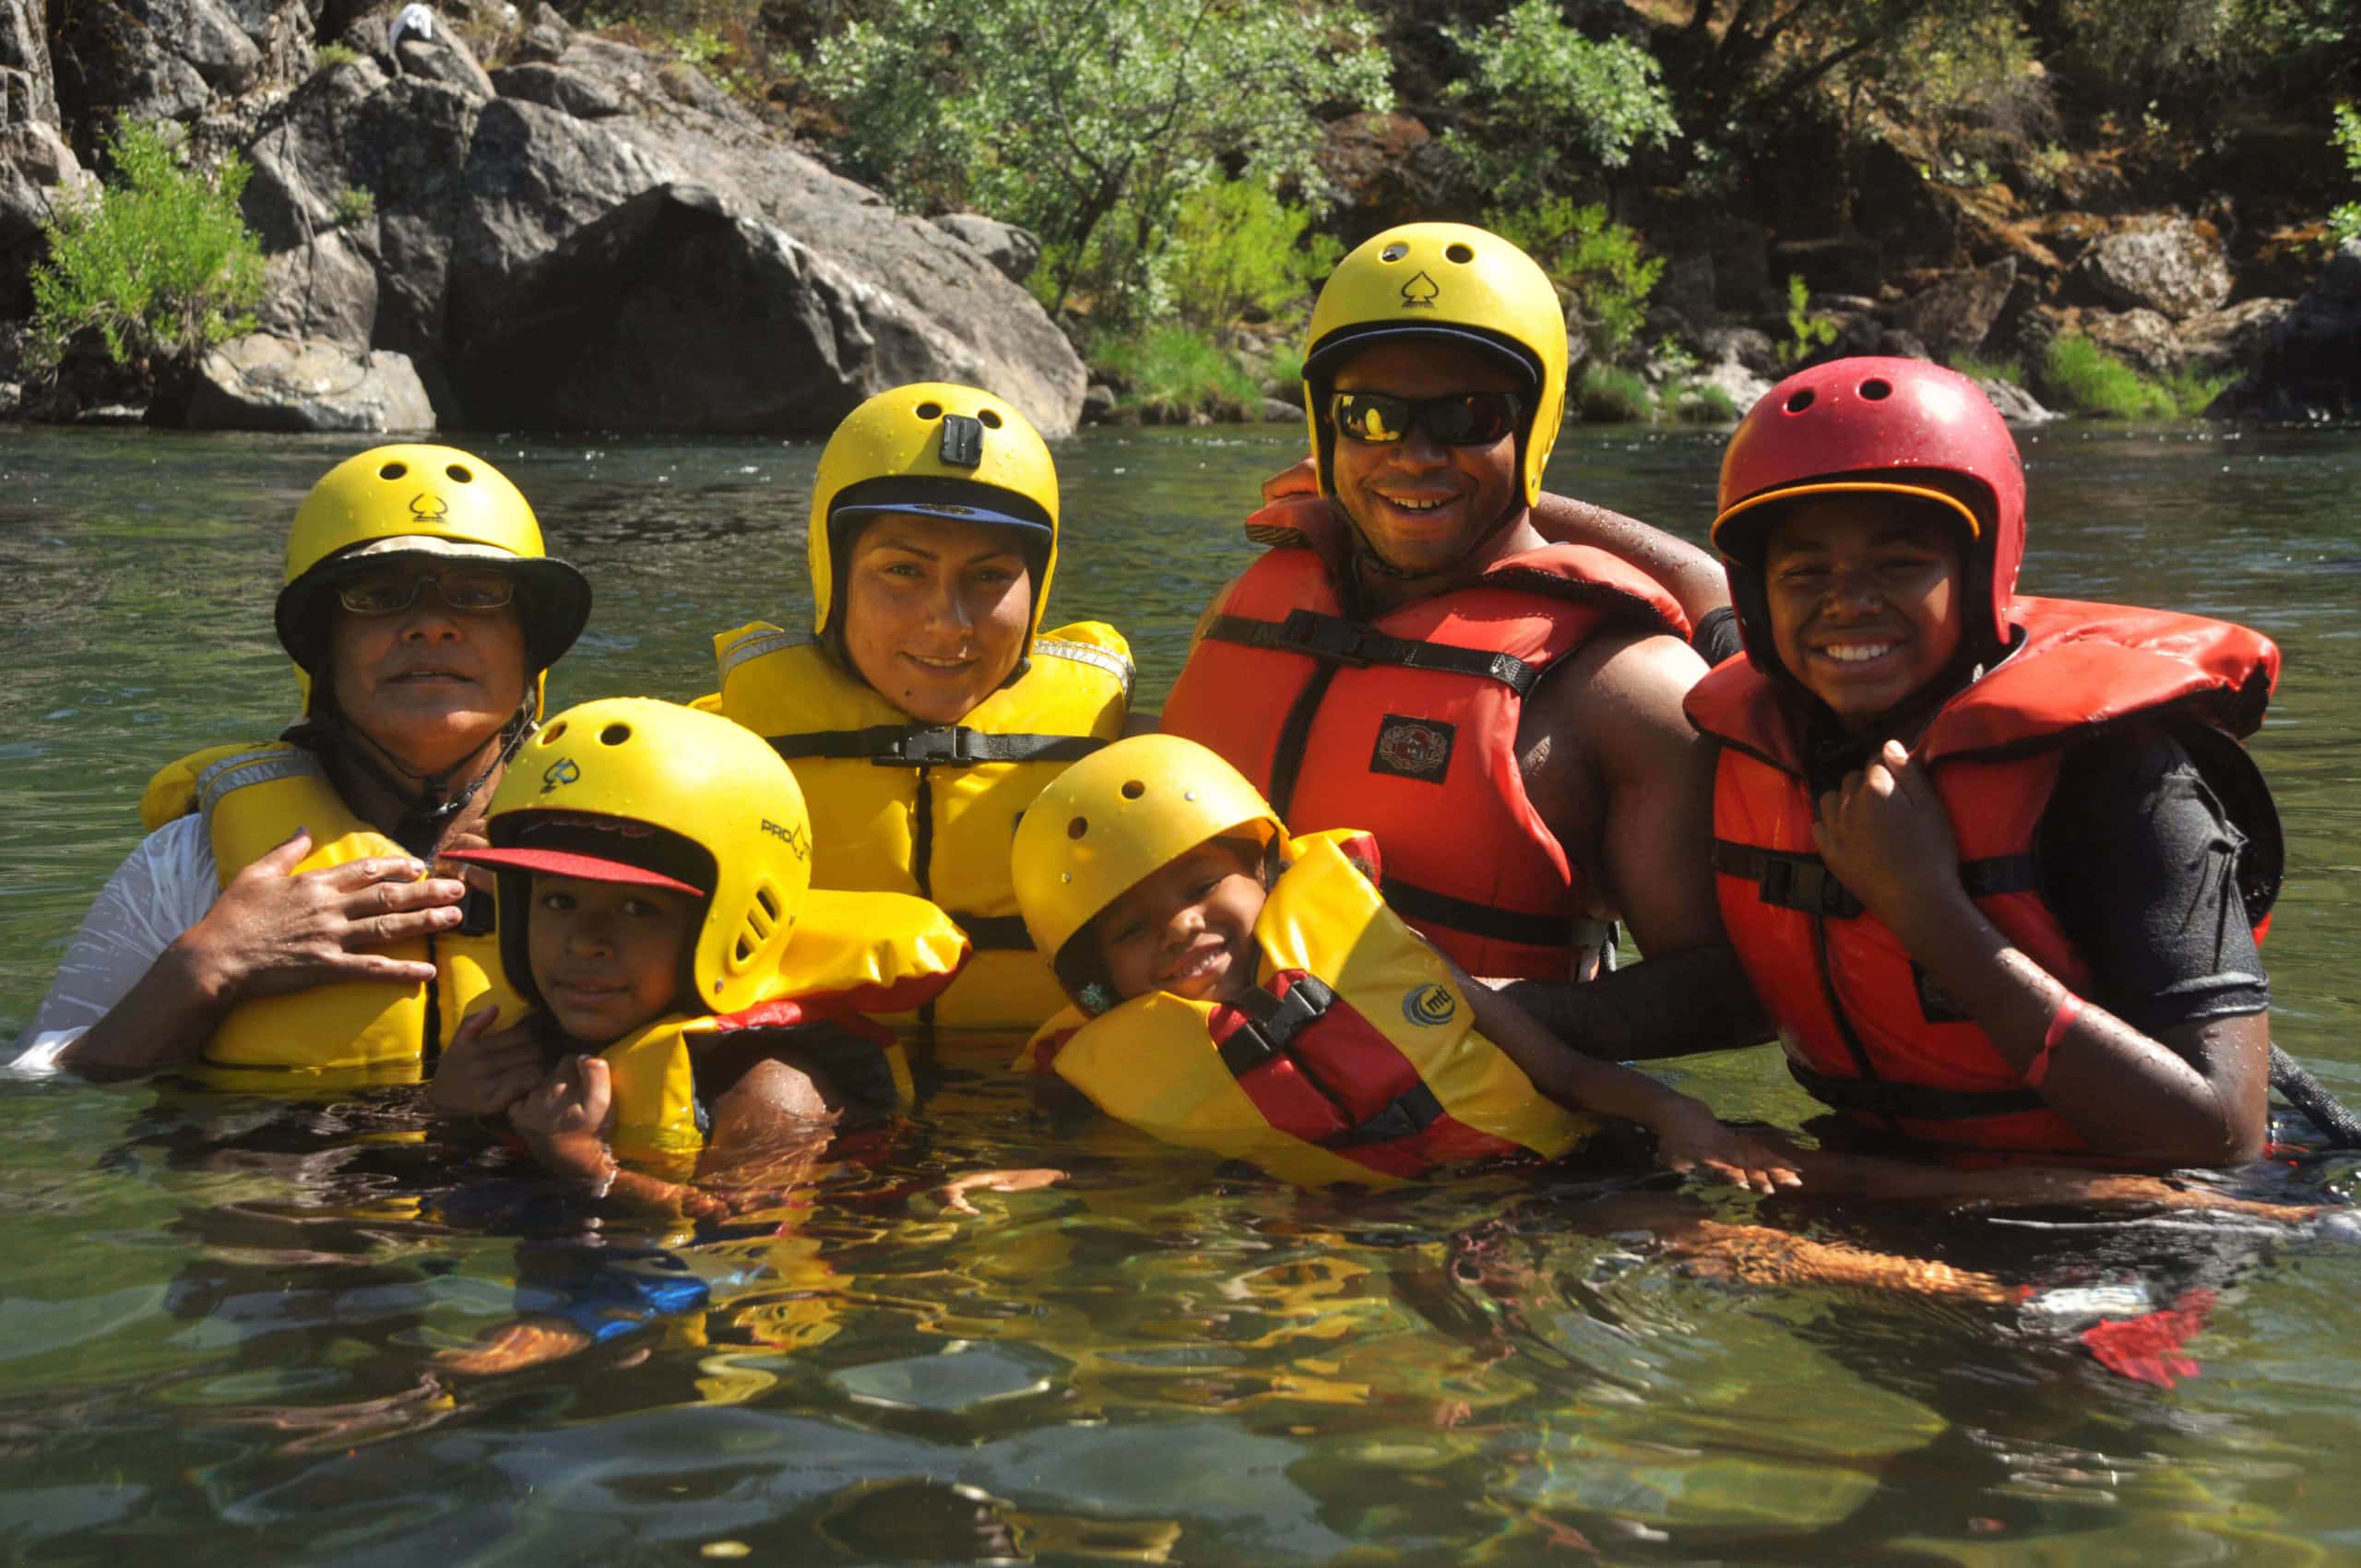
(703, 1001)
(1248, 992)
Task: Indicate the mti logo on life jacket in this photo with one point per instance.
(1413, 748)
(427, 507)
(1430, 1005)
(562, 771)
(1419, 293)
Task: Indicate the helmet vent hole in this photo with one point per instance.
(767, 901)
(929, 410)
(746, 948)
(393, 471)
(1077, 827)
(1458, 253)
(550, 735)
(1394, 252)
(460, 473)
(614, 734)
(1875, 390)
(1798, 402)
(989, 419)
(1135, 789)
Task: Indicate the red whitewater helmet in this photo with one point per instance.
(1881, 426)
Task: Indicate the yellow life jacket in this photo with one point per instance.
(851, 953)
(1356, 1060)
(253, 798)
(904, 807)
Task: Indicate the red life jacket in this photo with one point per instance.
(1865, 1030)
(1406, 726)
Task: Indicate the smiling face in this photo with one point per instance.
(1865, 601)
(1187, 929)
(606, 955)
(1419, 504)
(430, 684)
(935, 612)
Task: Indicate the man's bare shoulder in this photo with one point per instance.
(1635, 679)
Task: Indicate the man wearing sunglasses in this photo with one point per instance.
(1415, 658)
(280, 914)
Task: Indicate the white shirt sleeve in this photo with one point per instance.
(163, 887)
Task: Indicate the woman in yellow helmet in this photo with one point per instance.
(926, 707)
(280, 914)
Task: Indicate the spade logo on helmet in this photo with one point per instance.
(429, 508)
(1430, 1005)
(562, 771)
(1419, 293)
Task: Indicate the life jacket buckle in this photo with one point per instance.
(1330, 637)
(929, 748)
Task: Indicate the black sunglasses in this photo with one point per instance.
(466, 589)
(1456, 419)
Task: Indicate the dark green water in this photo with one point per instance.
(217, 1315)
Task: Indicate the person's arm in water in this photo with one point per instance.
(1689, 1137)
(2192, 1094)
(267, 934)
(1626, 783)
(1695, 578)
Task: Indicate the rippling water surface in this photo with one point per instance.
(218, 1315)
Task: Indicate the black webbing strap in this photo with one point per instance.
(1335, 640)
(899, 746)
(1914, 1101)
(1273, 1022)
(1489, 921)
(1792, 881)
(993, 933)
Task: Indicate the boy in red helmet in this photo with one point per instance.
(1995, 864)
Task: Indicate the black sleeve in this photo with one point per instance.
(2139, 862)
(1716, 637)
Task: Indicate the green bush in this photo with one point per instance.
(2345, 219)
(329, 56)
(355, 204)
(1233, 246)
(160, 264)
(1976, 368)
(1544, 107)
(1176, 367)
(1694, 404)
(1592, 257)
(1605, 395)
(2192, 391)
(1808, 333)
(2086, 379)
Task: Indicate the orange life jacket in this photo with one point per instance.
(1865, 1030)
(1406, 726)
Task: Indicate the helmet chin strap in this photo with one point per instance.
(428, 805)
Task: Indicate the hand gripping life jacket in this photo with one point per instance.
(253, 798)
(852, 955)
(1864, 1029)
(1356, 1060)
(1406, 725)
(929, 809)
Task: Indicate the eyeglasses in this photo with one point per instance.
(1457, 418)
(386, 593)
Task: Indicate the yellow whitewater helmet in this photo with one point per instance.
(1119, 815)
(422, 502)
(933, 450)
(1449, 282)
(636, 791)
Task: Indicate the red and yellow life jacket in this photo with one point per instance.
(1407, 726)
(1865, 1030)
(1356, 1059)
(903, 807)
(253, 797)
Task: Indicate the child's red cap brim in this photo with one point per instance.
(564, 862)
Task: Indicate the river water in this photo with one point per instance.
(218, 1315)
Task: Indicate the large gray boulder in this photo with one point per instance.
(37, 170)
(473, 194)
(2172, 266)
(153, 59)
(28, 89)
(1013, 250)
(2310, 367)
(2142, 339)
(1954, 314)
(262, 382)
(2234, 337)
